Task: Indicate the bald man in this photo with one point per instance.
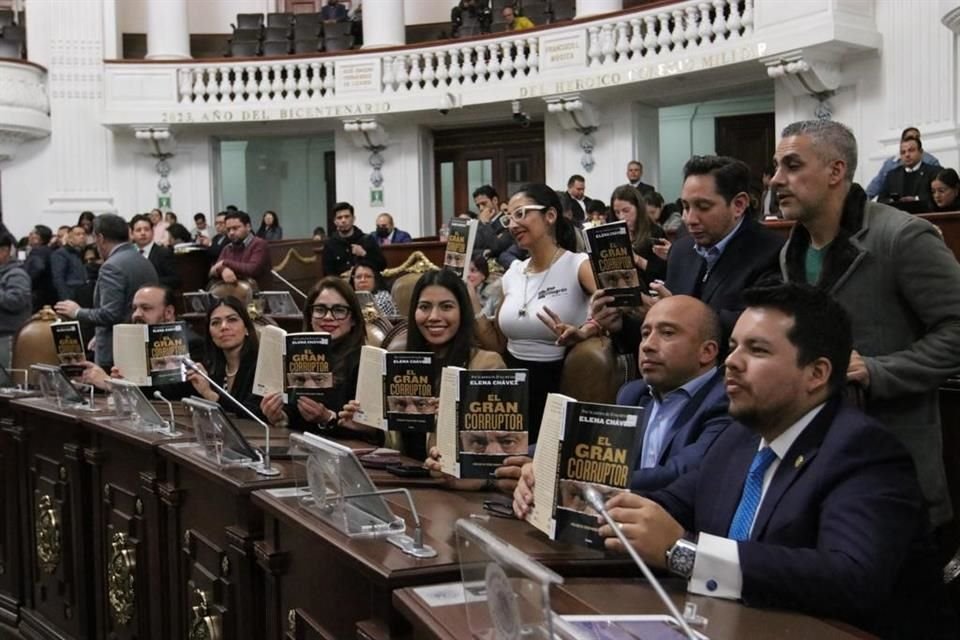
(682, 392)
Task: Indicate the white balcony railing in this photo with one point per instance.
(24, 105)
(622, 48)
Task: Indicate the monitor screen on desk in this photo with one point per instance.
(56, 386)
(220, 438)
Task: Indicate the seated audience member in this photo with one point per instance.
(333, 11)
(387, 233)
(724, 253)
(364, 278)
(540, 296)
(486, 293)
(270, 228)
(440, 321)
(893, 274)
(201, 230)
(159, 256)
(331, 307)
(596, 214)
(220, 238)
(247, 256)
(493, 237)
(514, 21)
(66, 264)
(876, 185)
(682, 392)
(348, 244)
(37, 265)
(910, 182)
(159, 227)
(574, 200)
(152, 304)
(319, 234)
(15, 298)
(122, 273)
(635, 178)
(945, 191)
(804, 503)
(178, 236)
(631, 207)
(170, 218)
(469, 18)
(232, 345)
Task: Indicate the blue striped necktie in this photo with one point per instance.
(750, 499)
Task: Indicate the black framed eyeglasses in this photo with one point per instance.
(337, 311)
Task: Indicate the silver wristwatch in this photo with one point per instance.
(680, 558)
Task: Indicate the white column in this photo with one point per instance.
(593, 7)
(383, 24)
(168, 30)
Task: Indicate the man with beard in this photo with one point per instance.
(348, 243)
(247, 256)
(804, 503)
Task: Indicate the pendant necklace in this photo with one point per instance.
(522, 313)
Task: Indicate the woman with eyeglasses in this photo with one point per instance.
(364, 277)
(545, 297)
(331, 307)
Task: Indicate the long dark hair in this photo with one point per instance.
(460, 349)
(378, 282)
(216, 361)
(642, 228)
(263, 223)
(346, 351)
(562, 229)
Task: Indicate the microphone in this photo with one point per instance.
(264, 468)
(596, 501)
(288, 283)
(411, 546)
(159, 396)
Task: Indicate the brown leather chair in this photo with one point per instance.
(593, 371)
(33, 343)
(405, 277)
(396, 338)
(377, 329)
(243, 290)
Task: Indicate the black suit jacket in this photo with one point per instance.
(751, 257)
(163, 261)
(894, 184)
(840, 533)
(568, 203)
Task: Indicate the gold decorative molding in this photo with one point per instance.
(49, 539)
(293, 254)
(205, 625)
(416, 262)
(121, 579)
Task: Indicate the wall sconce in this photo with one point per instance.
(803, 76)
(368, 134)
(161, 143)
(575, 114)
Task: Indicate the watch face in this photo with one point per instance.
(681, 559)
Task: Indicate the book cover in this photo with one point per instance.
(167, 346)
(492, 419)
(307, 369)
(410, 392)
(581, 444)
(69, 344)
(611, 257)
(462, 236)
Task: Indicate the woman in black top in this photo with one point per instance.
(331, 307)
(945, 190)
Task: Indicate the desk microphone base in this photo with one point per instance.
(406, 544)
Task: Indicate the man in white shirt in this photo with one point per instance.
(804, 503)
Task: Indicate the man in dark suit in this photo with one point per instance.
(122, 273)
(725, 251)
(161, 258)
(574, 199)
(804, 503)
(37, 266)
(634, 178)
(387, 233)
(681, 390)
(220, 240)
(910, 182)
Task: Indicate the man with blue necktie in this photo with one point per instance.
(803, 503)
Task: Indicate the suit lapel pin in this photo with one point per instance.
(798, 462)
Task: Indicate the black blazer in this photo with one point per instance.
(894, 184)
(752, 257)
(163, 261)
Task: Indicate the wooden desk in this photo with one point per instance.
(607, 596)
(211, 526)
(321, 584)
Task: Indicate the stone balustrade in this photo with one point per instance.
(24, 105)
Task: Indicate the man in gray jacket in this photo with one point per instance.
(15, 298)
(893, 274)
(123, 272)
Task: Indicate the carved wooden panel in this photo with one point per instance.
(208, 591)
(11, 553)
(123, 565)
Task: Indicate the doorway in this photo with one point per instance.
(750, 138)
(505, 157)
